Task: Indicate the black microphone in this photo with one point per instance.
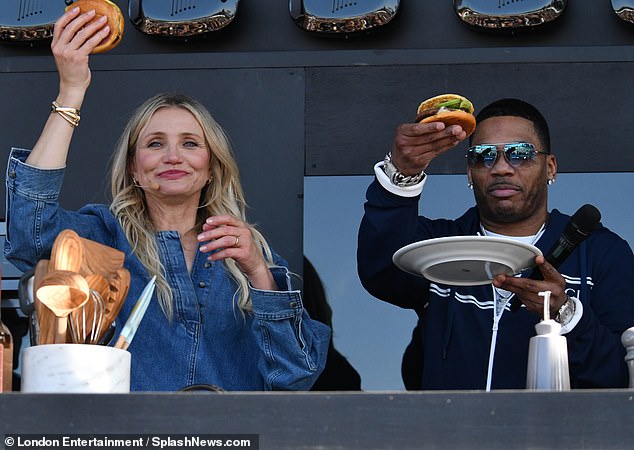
(581, 225)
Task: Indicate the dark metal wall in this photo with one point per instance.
(261, 109)
(578, 98)
(297, 104)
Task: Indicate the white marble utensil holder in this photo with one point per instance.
(75, 368)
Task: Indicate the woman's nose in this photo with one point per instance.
(172, 153)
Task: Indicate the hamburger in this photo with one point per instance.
(450, 109)
(115, 20)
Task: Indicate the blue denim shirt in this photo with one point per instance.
(209, 340)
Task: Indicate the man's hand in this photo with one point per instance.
(416, 144)
(527, 290)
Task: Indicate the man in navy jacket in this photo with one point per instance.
(509, 167)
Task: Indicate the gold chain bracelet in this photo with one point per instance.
(70, 115)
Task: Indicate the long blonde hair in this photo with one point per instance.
(223, 195)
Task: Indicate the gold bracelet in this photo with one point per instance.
(70, 115)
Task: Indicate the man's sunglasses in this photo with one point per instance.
(516, 154)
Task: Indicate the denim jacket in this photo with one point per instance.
(209, 340)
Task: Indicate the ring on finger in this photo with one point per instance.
(235, 244)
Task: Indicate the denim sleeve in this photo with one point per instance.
(293, 346)
(33, 215)
(30, 193)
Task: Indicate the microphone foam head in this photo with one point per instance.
(586, 219)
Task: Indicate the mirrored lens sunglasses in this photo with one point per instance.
(516, 153)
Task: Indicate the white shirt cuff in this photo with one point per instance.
(408, 191)
(575, 318)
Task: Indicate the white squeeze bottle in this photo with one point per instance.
(548, 355)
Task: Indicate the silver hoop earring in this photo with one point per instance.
(470, 185)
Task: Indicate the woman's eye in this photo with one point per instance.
(154, 144)
(190, 144)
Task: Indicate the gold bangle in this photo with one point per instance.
(70, 115)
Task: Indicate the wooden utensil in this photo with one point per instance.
(77, 254)
(100, 259)
(100, 264)
(45, 318)
(62, 291)
(119, 285)
(67, 252)
(99, 283)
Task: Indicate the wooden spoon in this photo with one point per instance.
(67, 252)
(62, 291)
(44, 317)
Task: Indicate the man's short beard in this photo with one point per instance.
(507, 215)
(513, 213)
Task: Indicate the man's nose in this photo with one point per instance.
(502, 164)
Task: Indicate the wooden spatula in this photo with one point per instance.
(119, 285)
(78, 254)
(67, 252)
(100, 259)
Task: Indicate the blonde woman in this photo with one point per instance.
(224, 312)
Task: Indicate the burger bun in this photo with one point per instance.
(115, 20)
(460, 113)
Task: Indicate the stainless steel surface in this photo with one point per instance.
(508, 13)
(29, 20)
(181, 18)
(342, 16)
(624, 9)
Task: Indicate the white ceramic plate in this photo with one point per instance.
(465, 260)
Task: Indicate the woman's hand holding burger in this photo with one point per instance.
(74, 37)
(113, 15)
(88, 26)
(82, 29)
(442, 122)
